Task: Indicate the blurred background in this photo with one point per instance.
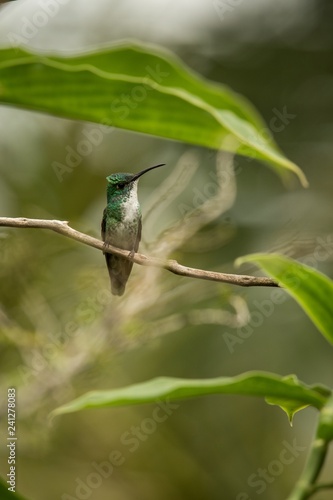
(62, 333)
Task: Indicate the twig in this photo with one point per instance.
(307, 484)
(173, 266)
(303, 488)
(322, 486)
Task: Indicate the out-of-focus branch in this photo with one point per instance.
(173, 266)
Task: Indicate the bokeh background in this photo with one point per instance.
(62, 333)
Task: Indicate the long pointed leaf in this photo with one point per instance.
(250, 384)
(311, 289)
(142, 89)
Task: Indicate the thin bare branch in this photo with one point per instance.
(173, 266)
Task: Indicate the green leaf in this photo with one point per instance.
(5, 494)
(248, 384)
(140, 88)
(311, 289)
(289, 406)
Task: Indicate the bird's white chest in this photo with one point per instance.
(130, 207)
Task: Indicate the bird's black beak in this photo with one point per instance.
(136, 176)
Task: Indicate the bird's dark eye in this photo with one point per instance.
(121, 185)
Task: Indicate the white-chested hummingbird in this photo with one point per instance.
(121, 225)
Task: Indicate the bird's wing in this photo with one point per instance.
(103, 225)
(138, 236)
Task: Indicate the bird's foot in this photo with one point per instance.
(105, 247)
(131, 254)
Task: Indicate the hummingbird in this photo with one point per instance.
(122, 224)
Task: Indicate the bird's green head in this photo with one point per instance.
(120, 185)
